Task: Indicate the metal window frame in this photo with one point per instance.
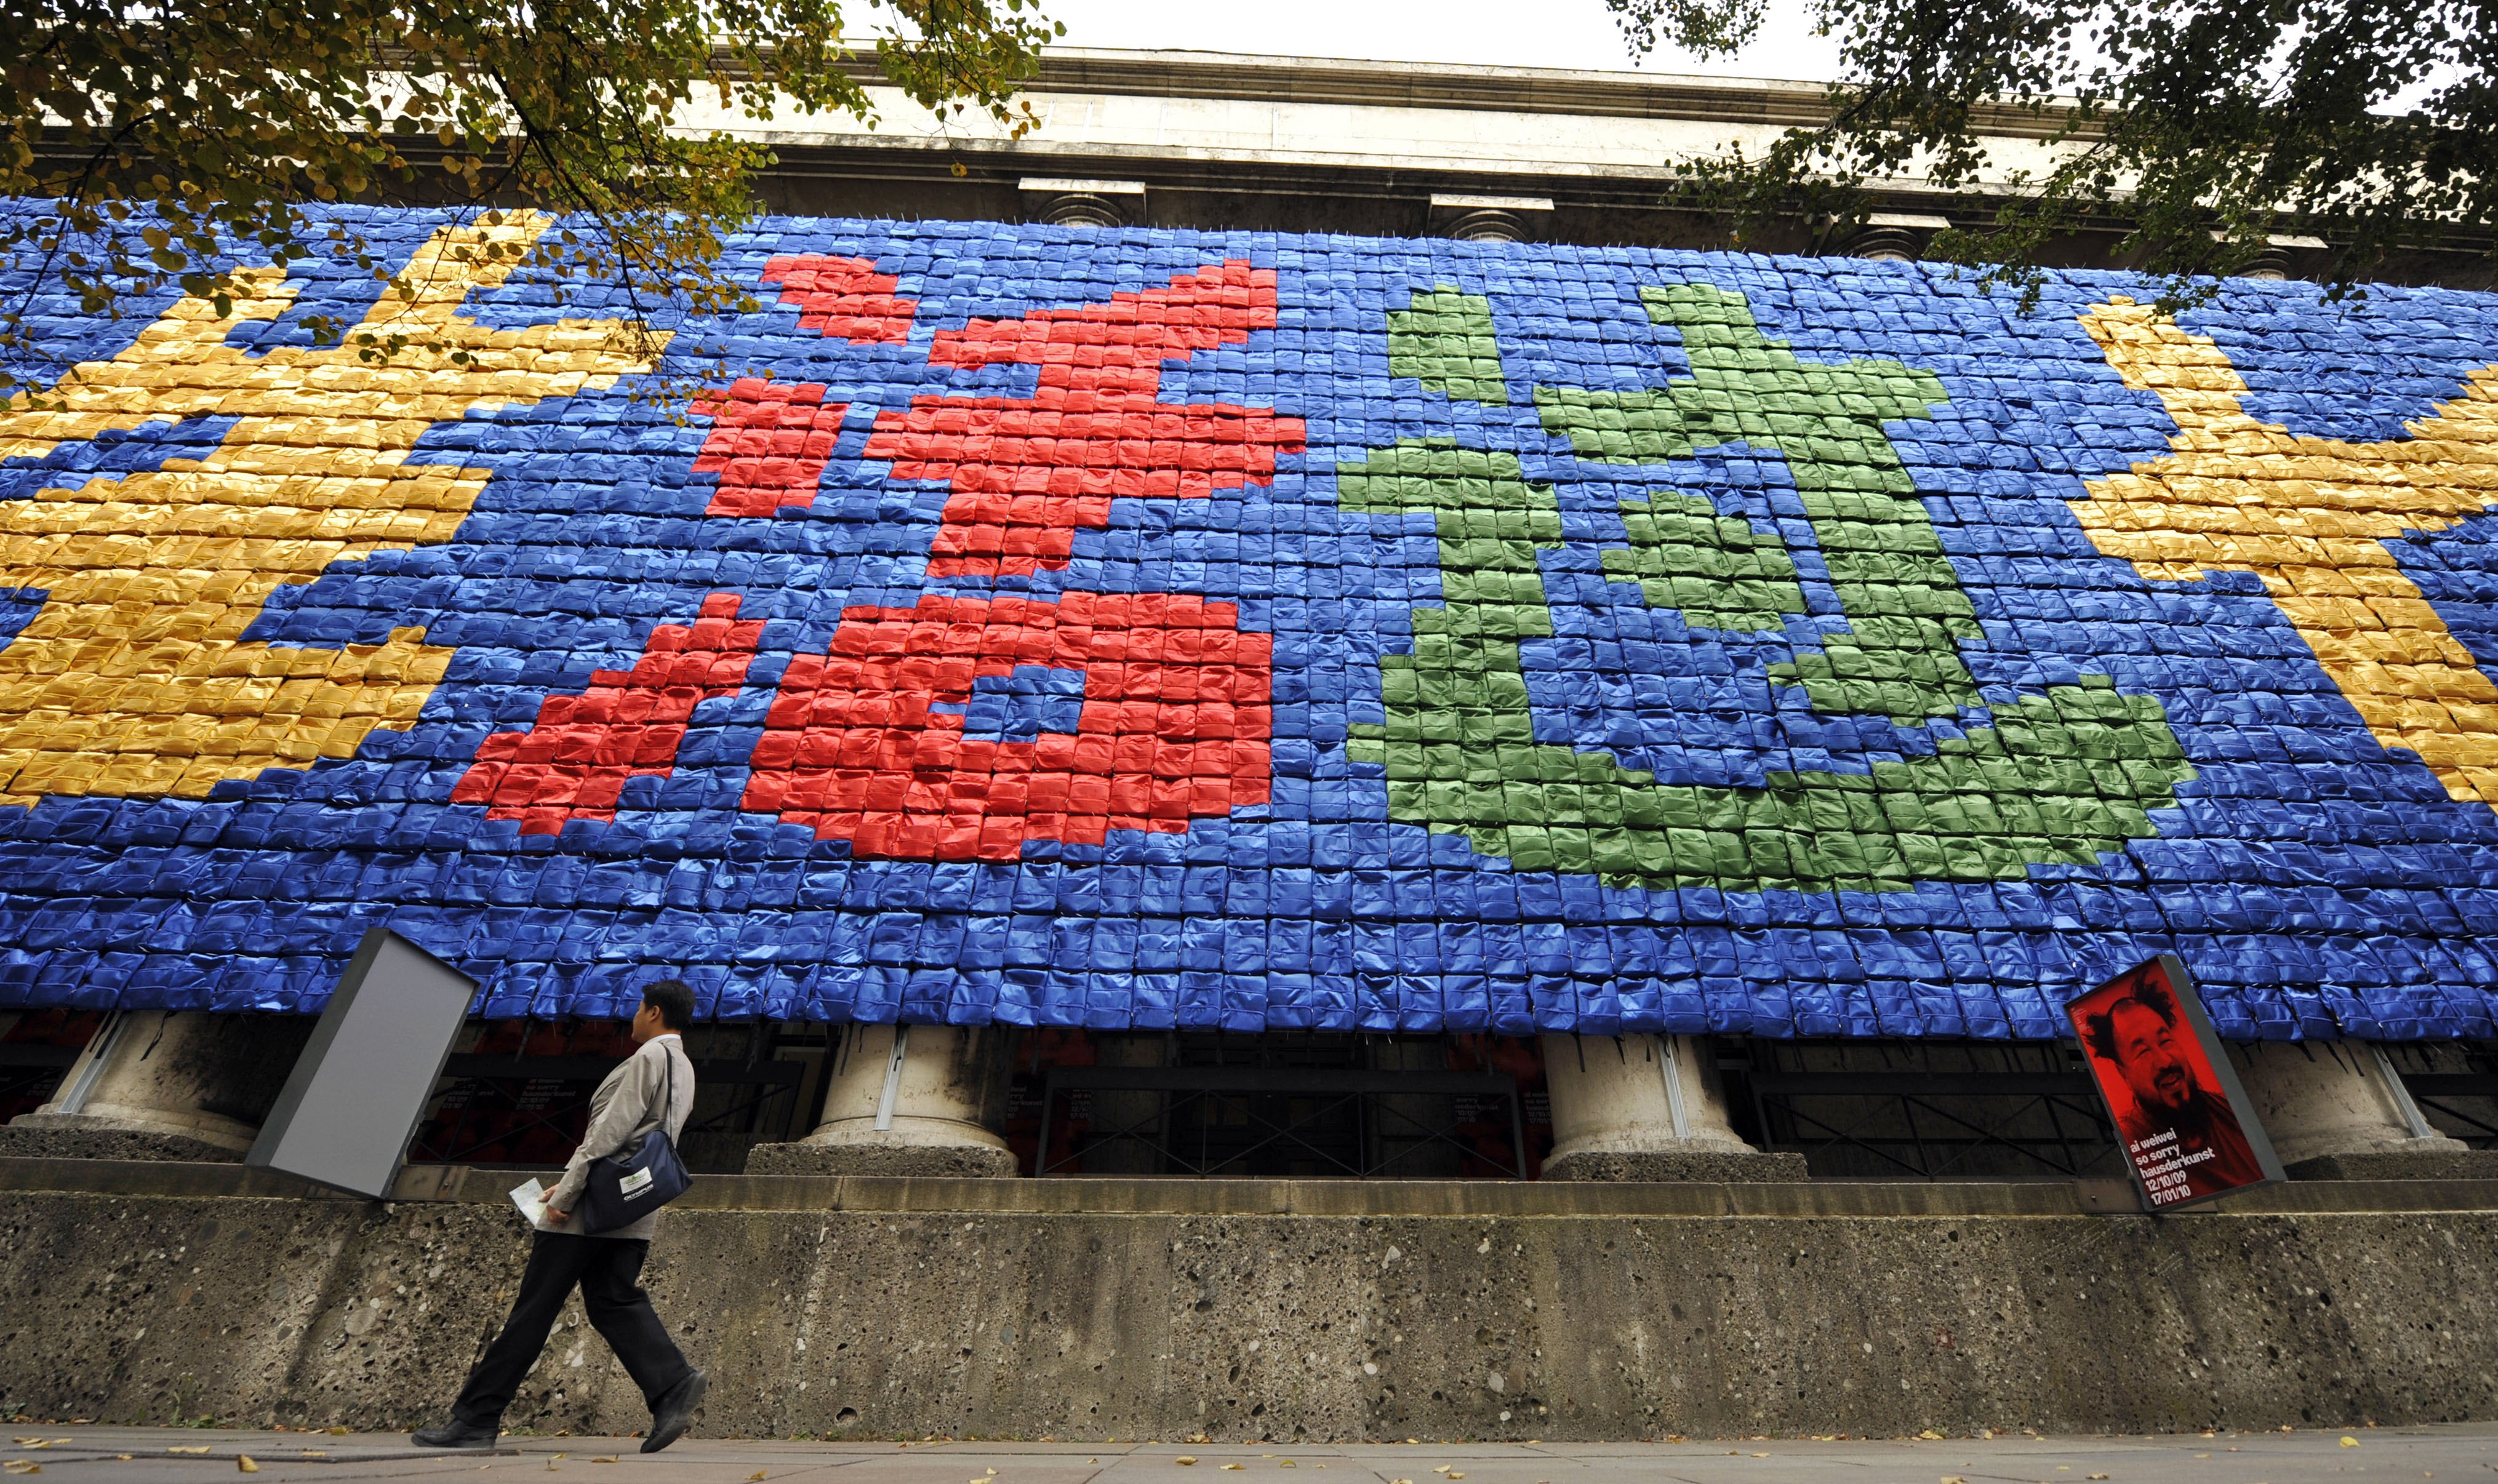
(1338, 1086)
(1913, 1092)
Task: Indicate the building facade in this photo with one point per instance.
(1294, 622)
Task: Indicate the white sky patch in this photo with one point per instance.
(1565, 33)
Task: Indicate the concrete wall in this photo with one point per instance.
(1565, 1314)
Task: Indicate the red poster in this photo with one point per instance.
(2181, 1117)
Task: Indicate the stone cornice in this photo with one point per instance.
(1451, 85)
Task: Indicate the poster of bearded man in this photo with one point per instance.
(2182, 1118)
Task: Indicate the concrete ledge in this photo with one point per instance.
(25, 1139)
(173, 1179)
(2445, 1162)
(1143, 1197)
(1749, 1166)
(962, 1161)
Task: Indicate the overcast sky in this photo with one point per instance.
(1554, 33)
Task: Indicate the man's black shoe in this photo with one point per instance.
(455, 1434)
(676, 1412)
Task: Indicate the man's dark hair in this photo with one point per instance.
(674, 1002)
(2147, 992)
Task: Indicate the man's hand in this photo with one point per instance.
(556, 1217)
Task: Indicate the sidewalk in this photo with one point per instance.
(107, 1455)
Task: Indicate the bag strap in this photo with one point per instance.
(668, 1089)
(667, 1102)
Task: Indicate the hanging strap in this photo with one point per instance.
(668, 1088)
(667, 1102)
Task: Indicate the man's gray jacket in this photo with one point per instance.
(626, 1106)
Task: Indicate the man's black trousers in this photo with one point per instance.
(608, 1270)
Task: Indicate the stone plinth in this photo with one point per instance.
(159, 1085)
(1644, 1107)
(2333, 1110)
(906, 1101)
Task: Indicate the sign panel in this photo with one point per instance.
(354, 1098)
(2187, 1129)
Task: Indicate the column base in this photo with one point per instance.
(75, 1136)
(2435, 1159)
(1744, 1166)
(952, 1161)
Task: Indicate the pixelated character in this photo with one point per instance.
(1907, 615)
(136, 677)
(573, 761)
(770, 440)
(1459, 746)
(963, 727)
(2311, 517)
(1027, 472)
(1461, 753)
(768, 446)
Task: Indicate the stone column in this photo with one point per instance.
(2335, 1110)
(165, 1084)
(1616, 1116)
(907, 1100)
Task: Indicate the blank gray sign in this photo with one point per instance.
(354, 1098)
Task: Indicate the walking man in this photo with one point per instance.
(653, 1088)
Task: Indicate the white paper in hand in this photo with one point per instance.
(531, 1198)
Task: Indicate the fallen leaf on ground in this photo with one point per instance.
(1953, 1478)
(22, 1466)
(752, 1477)
(244, 1465)
(201, 1448)
(611, 1458)
(1182, 1459)
(336, 1431)
(1232, 1465)
(2350, 1442)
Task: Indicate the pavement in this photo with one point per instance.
(113, 1455)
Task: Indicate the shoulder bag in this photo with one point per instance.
(640, 1177)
